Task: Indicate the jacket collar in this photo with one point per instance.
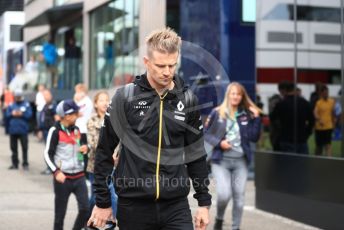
(240, 112)
(179, 85)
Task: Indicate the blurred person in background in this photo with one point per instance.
(50, 58)
(230, 128)
(7, 99)
(39, 102)
(17, 70)
(86, 106)
(48, 118)
(32, 65)
(18, 115)
(71, 64)
(86, 109)
(296, 121)
(338, 113)
(325, 119)
(298, 92)
(275, 125)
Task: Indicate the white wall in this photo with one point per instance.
(310, 54)
(7, 19)
(36, 8)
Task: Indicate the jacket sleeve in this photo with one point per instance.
(254, 129)
(8, 113)
(275, 113)
(195, 157)
(83, 139)
(28, 111)
(310, 119)
(208, 134)
(91, 135)
(50, 148)
(104, 164)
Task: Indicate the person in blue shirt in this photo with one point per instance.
(50, 58)
(19, 114)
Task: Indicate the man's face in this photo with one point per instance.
(324, 94)
(79, 95)
(18, 98)
(71, 118)
(161, 68)
(47, 96)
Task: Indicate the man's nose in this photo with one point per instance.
(166, 70)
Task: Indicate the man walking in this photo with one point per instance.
(156, 120)
(18, 115)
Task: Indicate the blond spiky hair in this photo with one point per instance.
(163, 40)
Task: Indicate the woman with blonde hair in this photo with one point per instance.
(229, 129)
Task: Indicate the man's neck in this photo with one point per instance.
(101, 114)
(64, 123)
(158, 89)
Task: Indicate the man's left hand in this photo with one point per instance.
(83, 149)
(201, 218)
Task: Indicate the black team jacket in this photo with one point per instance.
(162, 146)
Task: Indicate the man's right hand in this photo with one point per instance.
(16, 113)
(60, 177)
(225, 145)
(100, 216)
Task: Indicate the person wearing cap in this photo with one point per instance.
(63, 154)
(18, 115)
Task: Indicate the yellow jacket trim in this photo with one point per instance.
(159, 147)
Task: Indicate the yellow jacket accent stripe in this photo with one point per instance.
(159, 147)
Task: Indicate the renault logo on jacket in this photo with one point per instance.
(180, 106)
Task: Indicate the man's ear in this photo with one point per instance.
(145, 60)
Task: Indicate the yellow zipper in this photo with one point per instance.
(159, 147)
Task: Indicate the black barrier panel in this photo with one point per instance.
(304, 188)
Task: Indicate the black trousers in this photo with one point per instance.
(14, 148)
(62, 193)
(133, 214)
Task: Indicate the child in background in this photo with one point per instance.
(101, 102)
(64, 155)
